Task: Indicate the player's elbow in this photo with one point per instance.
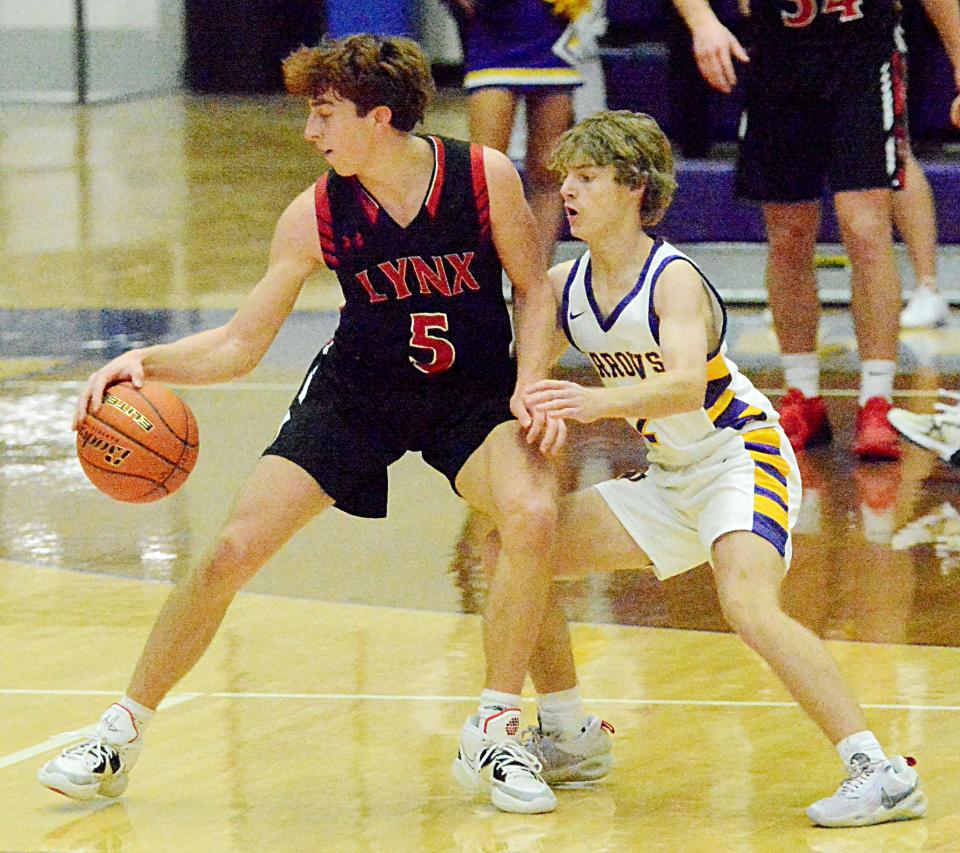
(691, 389)
(239, 357)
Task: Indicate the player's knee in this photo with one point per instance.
(867, 239)
(788, 237)
(748, 615)
(530, 518)
(233, 561)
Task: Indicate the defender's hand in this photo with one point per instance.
(559, 399)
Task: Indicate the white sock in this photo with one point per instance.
(141, 713)
(801, 370)
(876, 379)
(562, 712)
(860, 743)
(492, 701)
(124, 721)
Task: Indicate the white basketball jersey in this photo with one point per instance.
(625, 349)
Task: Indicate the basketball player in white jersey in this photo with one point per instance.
(722, 484)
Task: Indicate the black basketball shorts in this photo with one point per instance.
(838, 118)
(348, 424)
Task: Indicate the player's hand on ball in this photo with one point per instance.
(126, 367)
(559, 399)
(955, 112)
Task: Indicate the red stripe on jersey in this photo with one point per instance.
(439, 172)
(367, 203)
(480, 194)
(901, 133)
(321, 203)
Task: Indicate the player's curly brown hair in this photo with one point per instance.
(634, 145)
(368, 70)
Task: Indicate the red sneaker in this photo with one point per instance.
(876, 439)
(804, 420)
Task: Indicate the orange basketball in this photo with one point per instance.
(141, 445)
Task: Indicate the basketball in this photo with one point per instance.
(141, 445)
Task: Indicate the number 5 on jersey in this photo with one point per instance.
(442, 352)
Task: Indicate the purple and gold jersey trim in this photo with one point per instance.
(722, 407)
(771, 500)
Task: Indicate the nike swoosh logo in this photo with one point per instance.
(574, 316)
(889, 802)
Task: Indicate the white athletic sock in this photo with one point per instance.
(492, 701)
(562, 712)
(860, 743)
(876, 379)
(141, 713)
(801, 370)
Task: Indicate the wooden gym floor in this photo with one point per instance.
(326, 713)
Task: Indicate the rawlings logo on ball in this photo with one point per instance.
(135, 415)
(113, 454)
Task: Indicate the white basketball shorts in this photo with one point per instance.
(676, 514)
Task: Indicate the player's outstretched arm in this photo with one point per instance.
(234, 349)
(714, 46)
(521, 253)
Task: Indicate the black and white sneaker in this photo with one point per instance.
(490, 759)
(99, 765)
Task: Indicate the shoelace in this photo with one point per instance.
(510, 754)
(859, 776)
(96, 749)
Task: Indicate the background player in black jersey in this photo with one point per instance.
(825, 99)
(416, 229)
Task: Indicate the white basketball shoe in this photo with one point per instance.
(584, 758)
(99, 765)
(490, 759)
(939, 431)
(874, 792)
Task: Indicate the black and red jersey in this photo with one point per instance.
(423, 302)
(841, 24)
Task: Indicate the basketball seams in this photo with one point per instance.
(145, 497)
(160, 473)
(187, 418)
(182, 439)
(116, 473)
(140, 444)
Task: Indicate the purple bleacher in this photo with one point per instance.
(705, 209)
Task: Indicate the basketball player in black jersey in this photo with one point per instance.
(825, 99)
(417, 230)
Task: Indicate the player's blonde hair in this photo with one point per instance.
(634, 145)
(370, 71)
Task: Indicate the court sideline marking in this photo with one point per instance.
(67, 737)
